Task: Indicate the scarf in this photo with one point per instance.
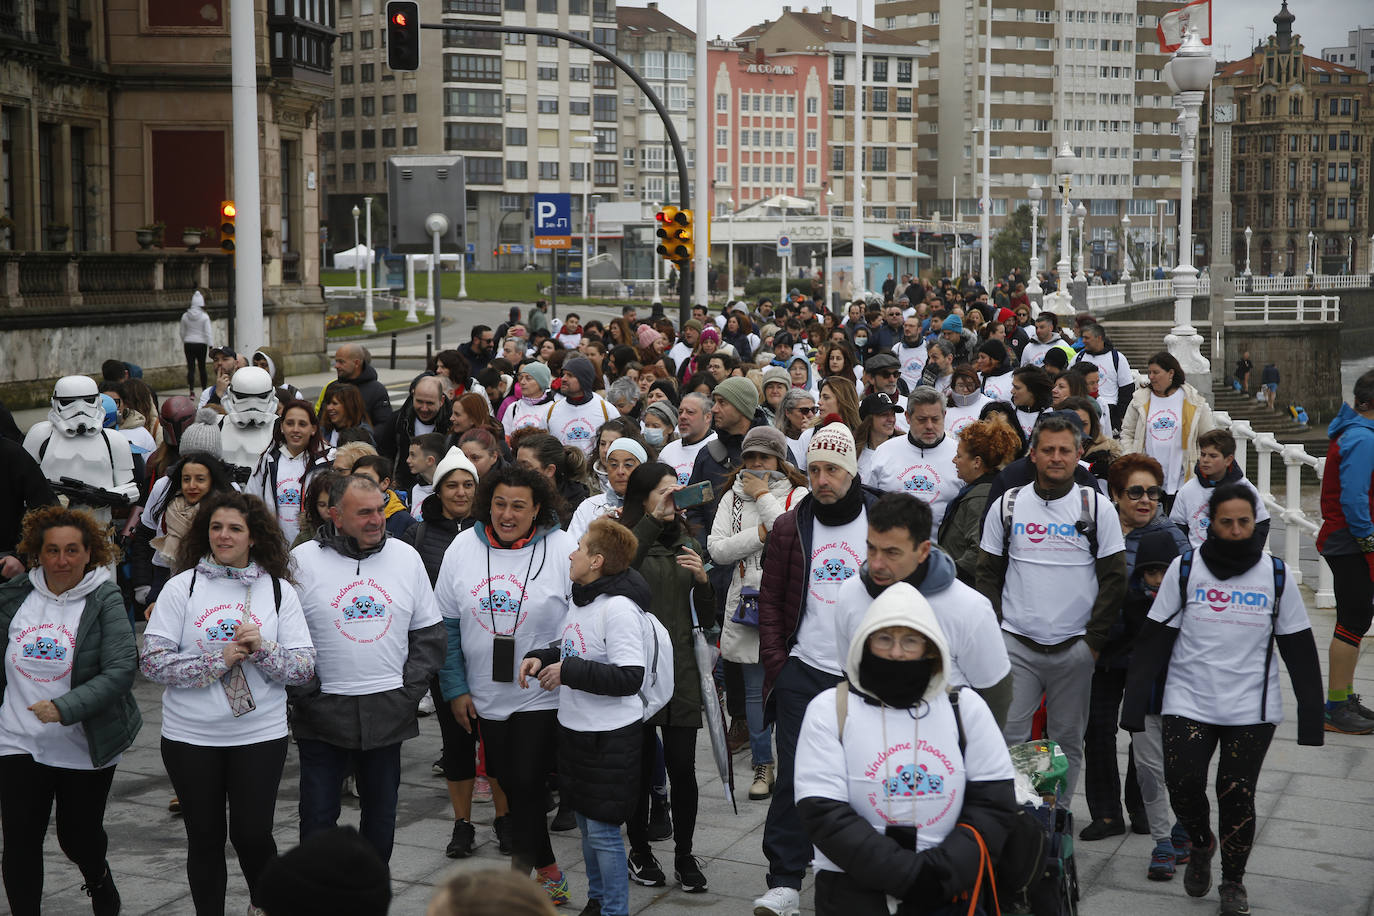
(208, 568)
(1229, 559)
(176, 521)
(844, 510)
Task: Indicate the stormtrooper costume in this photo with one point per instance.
(72, 443)
(250, 406)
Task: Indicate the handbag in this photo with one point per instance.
(747, 612)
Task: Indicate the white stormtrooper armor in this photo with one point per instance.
(71, 443)
(250, 406)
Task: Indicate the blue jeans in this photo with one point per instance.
(608, 877)
(760, 732)
(378, 773)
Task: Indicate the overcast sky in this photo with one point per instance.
(1321, 23)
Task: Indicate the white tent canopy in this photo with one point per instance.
(350, 258)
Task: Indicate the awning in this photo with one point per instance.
(891, 247)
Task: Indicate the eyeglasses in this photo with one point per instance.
(912, 642)
(809, 411)
(1153, 493)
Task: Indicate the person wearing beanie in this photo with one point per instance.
(574, 418)
(646, 335)
(921, 462)
(776, 383)
(994, 370)
(203, 434)
(335, 871)
(659, 423)
(812, 550)
(531, 408)
(686, 343)
(952, 330)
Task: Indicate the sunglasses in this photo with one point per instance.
(1153, 493)
(809, 411)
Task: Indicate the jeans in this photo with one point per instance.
(608, 878)
(204, 779)
(378, 774)
(760, 731)
(27, 792)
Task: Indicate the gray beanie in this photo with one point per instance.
(740, 394)
(203, 434)
(664, 409)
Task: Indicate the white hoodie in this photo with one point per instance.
(893, 767)
(195, 323)
(39, 654)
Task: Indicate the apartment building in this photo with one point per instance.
(1358, 51)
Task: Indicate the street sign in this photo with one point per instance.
(553, 220)
(516, 249)
(784, 247)
(1025, 245)
(1112, 246)
(1098, 246)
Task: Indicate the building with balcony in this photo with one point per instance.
(1301, 157)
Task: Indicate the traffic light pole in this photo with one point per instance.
(684, 181)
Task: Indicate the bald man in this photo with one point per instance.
(425, 411)
(353, 364)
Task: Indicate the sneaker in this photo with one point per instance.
(737, 738)
(464, 835)
(660, 821)
(1343, 718)
(565, 819)
(1162, 863)
(1197, 877)
(645, 870)
(256, 911)
(1101, 829)
(501, 827)
(1360, 708)
(779, 901)
(557, 889)
(104, 896)
(426, 707)
(688, 874)
(550, 801)
(593, 908)
(1183, 845)
(481, 792)
(763, 782)
(437, 767)
(1234, 902)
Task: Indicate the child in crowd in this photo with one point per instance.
(422, 458)
(378, 468)
(1216, 464)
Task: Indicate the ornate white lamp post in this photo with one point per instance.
(369, 323)
(1247, 251)
(1125, 248)
(1311, 251)
(1080, 213)
(357, 264)
(1060, 302)
(1033, 287)
(1191, 68)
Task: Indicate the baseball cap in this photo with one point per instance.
(876, 404)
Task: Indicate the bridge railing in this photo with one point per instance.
(1262, 309)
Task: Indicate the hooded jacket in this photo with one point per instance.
(375, 396)
(880, 796)
(394, 440)
(275, 367)
(195, 322)
(1347, 498)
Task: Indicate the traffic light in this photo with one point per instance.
(227, 214)
(675, 230)
(403, 35)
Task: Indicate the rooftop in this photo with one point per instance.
(640, 21)
(825, 26)
(1250, 65)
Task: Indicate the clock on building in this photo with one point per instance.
(1223, 114)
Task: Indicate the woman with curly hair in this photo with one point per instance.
(985, 447)
(68, 710)
(227, 638)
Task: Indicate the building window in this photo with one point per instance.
(516, 136)
(880, 69)
(548, 105)
(879, 99)
(410, 136)
(903, 103)
(837, 68)
(388, 104)
(517, 169)
(389, 137)
(837, 102)
(722, 174)
(548, 6)
(879, 159)
(603, 76)
(346, 41)
(483, 7)
(477, 102)
(579, 107)
(579, 74)
(471, 68)
(483, 171)
(810, 139)
(547, 72)
(346, 75)
(811, 176)
(467, 135)
(606, 140)
(548, 171)
(346, 108)
(604, 108)
(369, 139)
(722, 102)
(367, 73)
(369, 106)
(350, 172)
(837, 159)
(348, 140)
(904, 70)
(812, 104)
(369, 171)
(408, 103)
(604, 173)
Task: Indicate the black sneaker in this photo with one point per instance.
(644, 869)
(1344, 719)
(1197, 877)
(660, 821)
(501, 827)
(464, 835)
(1360, 708)
(687, 872)
(593, 908)
(565, 819)
(104, 896)
(1101, 829)
(1140, 822)
(1234, 902)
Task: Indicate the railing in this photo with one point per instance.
(1144, 290)
(1303, 282)
(1296, 523)
(1100, 296)
(1303, 309)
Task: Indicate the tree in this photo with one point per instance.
(1011, 247)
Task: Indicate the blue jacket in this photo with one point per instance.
(1347, 501)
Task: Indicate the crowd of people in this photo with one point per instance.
(910, 530)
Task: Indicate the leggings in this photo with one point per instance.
(27, 792)
(520, 751)
(205, 779)
(459, 747)
(679, 756)
(1188, 749)
(195, 359)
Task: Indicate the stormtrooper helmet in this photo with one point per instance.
(76, 407)
(251, 400)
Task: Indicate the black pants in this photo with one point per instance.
(520, 752)
(679, 758)
(459, 756)
(837, 894)
(206, 779)
(195, 360)
(1101, 778)
(27, 792)
(1188, 750)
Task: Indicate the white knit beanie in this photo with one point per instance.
(834, 443)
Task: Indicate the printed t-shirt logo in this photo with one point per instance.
(1223, 599)
(831, 564)
(1163, 425)
(495, 603)
(574, 643)
(43, 653)
(578, 429)
(1038, 532)
(218, 624)
(909, 781)
(914, 792)
(289, 495)
(921, 480)
(957, 426)
(833, 570)
(363, 608)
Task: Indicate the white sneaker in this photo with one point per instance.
(779, 901)
(426, 706)
(256, 911)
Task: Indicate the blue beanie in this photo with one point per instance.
(952, 323)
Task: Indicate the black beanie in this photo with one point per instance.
(334, 871)
(995, 350)
(582, 370)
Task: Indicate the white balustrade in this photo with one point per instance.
(1100, 297)
(1145, 290)
(1264, 309)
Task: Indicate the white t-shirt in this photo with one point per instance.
(522, 592)
(609, 630)
(203, 624)
(998, 387)
(361, 612)
(1164, 437)
(680, 456)
(576, 424)
(291, 482)
(588, 511)
(893, 769)
(678, 353)
(978, 655)
(912, 361)
(956, 418)
(836, 555)
(926, 473)
(1216, 671)
(1190, 508)
(1051, 580)
(1033, 354)
(522, 413)
(1110, 379)
(570, 339)
(419, 492)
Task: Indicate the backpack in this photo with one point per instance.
(658, 685)
(1086, 524)
(276, 590)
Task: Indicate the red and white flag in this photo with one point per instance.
(1174, 25)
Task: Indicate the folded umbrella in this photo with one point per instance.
(715, 717)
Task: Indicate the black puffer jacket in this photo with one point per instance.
(393, 439)
(431, 534)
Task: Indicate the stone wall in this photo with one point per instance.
(1308, 357)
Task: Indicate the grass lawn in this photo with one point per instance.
(521, 287)
(386, 321)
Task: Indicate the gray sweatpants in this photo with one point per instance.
(1148, 748)
(1065, 680)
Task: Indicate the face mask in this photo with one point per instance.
(896, 683)
(653, 435)
(965, 400)
(860, 341)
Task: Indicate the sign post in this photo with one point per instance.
(553, 230)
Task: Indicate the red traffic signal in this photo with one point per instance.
(403, 35)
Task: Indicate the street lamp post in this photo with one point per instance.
(1033, 288)
(368, 323)
(1060, 302)
(730, 250)
(1161, 205)
(588, 139)
(1247, 259)
(357, 264)
(1311, 249)
(1371, 257)
(1125, 248)
(1191, 68)
(1081, 213)
(829, 243)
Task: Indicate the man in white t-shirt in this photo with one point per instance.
(574, 418)
(1057, 580)
(1046, 339)
(911, 351)
(921, 462)
(378, 638)
(1113, 372)
(694, 432)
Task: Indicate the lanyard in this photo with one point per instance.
(524, 588)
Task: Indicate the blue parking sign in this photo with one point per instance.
(553, 220)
